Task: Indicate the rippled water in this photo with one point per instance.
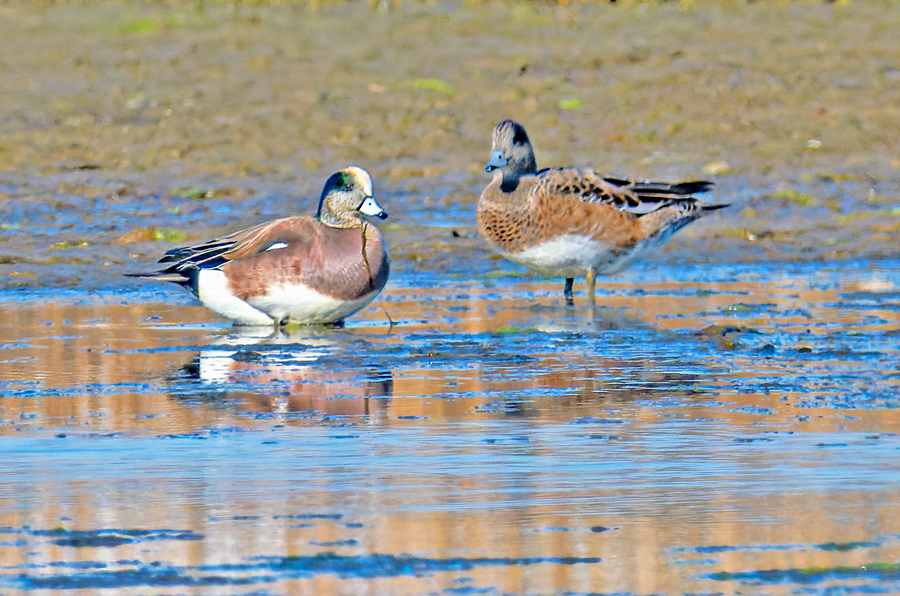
(709, 429)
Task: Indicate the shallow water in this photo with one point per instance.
(731, 431)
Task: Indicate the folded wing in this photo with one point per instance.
(626, 195)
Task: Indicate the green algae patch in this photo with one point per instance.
(514, 330)
(570, 104)
(737, 308)
(878, 571)
(169, 235)
(797, 197)
(66, 244)
(846, 546)
(853, 217)
(141, 26)
(429, 84)
(152, 234)
(500, 273)
(199, 192)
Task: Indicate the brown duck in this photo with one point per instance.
(570, 222)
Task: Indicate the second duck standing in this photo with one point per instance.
(570, 222)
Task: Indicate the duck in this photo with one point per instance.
(304, 270)
(570, 222)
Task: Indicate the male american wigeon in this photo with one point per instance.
(302, 270)
(570, 222)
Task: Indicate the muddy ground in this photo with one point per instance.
(126, 127)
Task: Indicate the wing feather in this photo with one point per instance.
(215, 253)
(626, 195)
(585, 185)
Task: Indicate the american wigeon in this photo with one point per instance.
(300, 269)
(571, 222)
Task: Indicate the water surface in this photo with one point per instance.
(734, 431)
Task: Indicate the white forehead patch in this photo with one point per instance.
(362, 176)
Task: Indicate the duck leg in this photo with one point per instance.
(591, 284)
(567, 292)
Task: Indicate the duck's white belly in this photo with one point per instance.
(303, 305)
(295, 302)
(565, 256)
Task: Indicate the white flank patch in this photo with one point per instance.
(276, 246)
(565, 256)
(214, 293)
(306, 306)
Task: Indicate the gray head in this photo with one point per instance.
(346, 196)
(511, 153)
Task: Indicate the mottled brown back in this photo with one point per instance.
(553, 203)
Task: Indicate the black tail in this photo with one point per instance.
(692, 188)
(662, 189)
(185, 280)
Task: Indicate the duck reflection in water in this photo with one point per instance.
(256, 369)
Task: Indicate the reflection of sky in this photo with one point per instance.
(736, 419)
(674, 485)
(442, 467)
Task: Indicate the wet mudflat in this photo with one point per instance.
(725, 421)
(126, 127)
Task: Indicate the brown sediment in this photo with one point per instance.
(109, 106)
